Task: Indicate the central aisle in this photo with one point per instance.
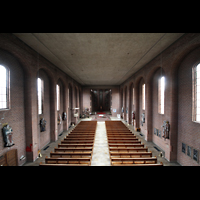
(100, 155)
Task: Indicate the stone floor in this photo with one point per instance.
(100, 155)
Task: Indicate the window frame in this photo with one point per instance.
(8, 103)
(161, 101)
(143, 96)
(194, 93)
(58, 96)
(42, 96)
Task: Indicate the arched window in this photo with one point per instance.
(40, 90)
(4, 87)
(161, 95)
(58, 96)
(196, 94)
(143, 96)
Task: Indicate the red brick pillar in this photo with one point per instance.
(53, 108)
(148, 113)
(31, 115)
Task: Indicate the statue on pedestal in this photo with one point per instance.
(7, 136)
(59, 119)
(64, 116)
(42, 125)
(166, 128)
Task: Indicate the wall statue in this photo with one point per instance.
(166, 128)
(59, 119)
(64, 116)
(7, 136)
(42, 125)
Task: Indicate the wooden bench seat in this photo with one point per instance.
(63, 165)
(73, 150)
(124, 145)
(77, 141)
(67, 160)
(151, 160)
(80, 136)
(140, 165)
(83, 134)
(75, 145)
(70, 155)
(123, 150)
(118, 131)
(121, 136)
(130, 154)
(124, 141)
(82, 131)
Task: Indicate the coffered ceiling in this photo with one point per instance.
(99, 58)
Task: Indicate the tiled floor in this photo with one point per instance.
(100, 155)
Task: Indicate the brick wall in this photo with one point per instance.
(188, 131)
(176, 61)
(24, 64)
(177, 98)
(157, 118)
(15, 115)
(43, 138)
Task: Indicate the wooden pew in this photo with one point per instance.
(63, 165)
(150, 160)
(124, 145)
(67, 160)
(84, 134)
(75, 146)
(70, 155)
(80, 136)
(141, 165)
(136, 141)
(123, 150)
(73, 150)
(130, 154)
(122, 139)
(121, 136)
(77, 141)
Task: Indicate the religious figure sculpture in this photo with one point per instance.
(42, 125)
(143, 118)
(166, 128)
(64, 116)
(59, 119)
(7, 136)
